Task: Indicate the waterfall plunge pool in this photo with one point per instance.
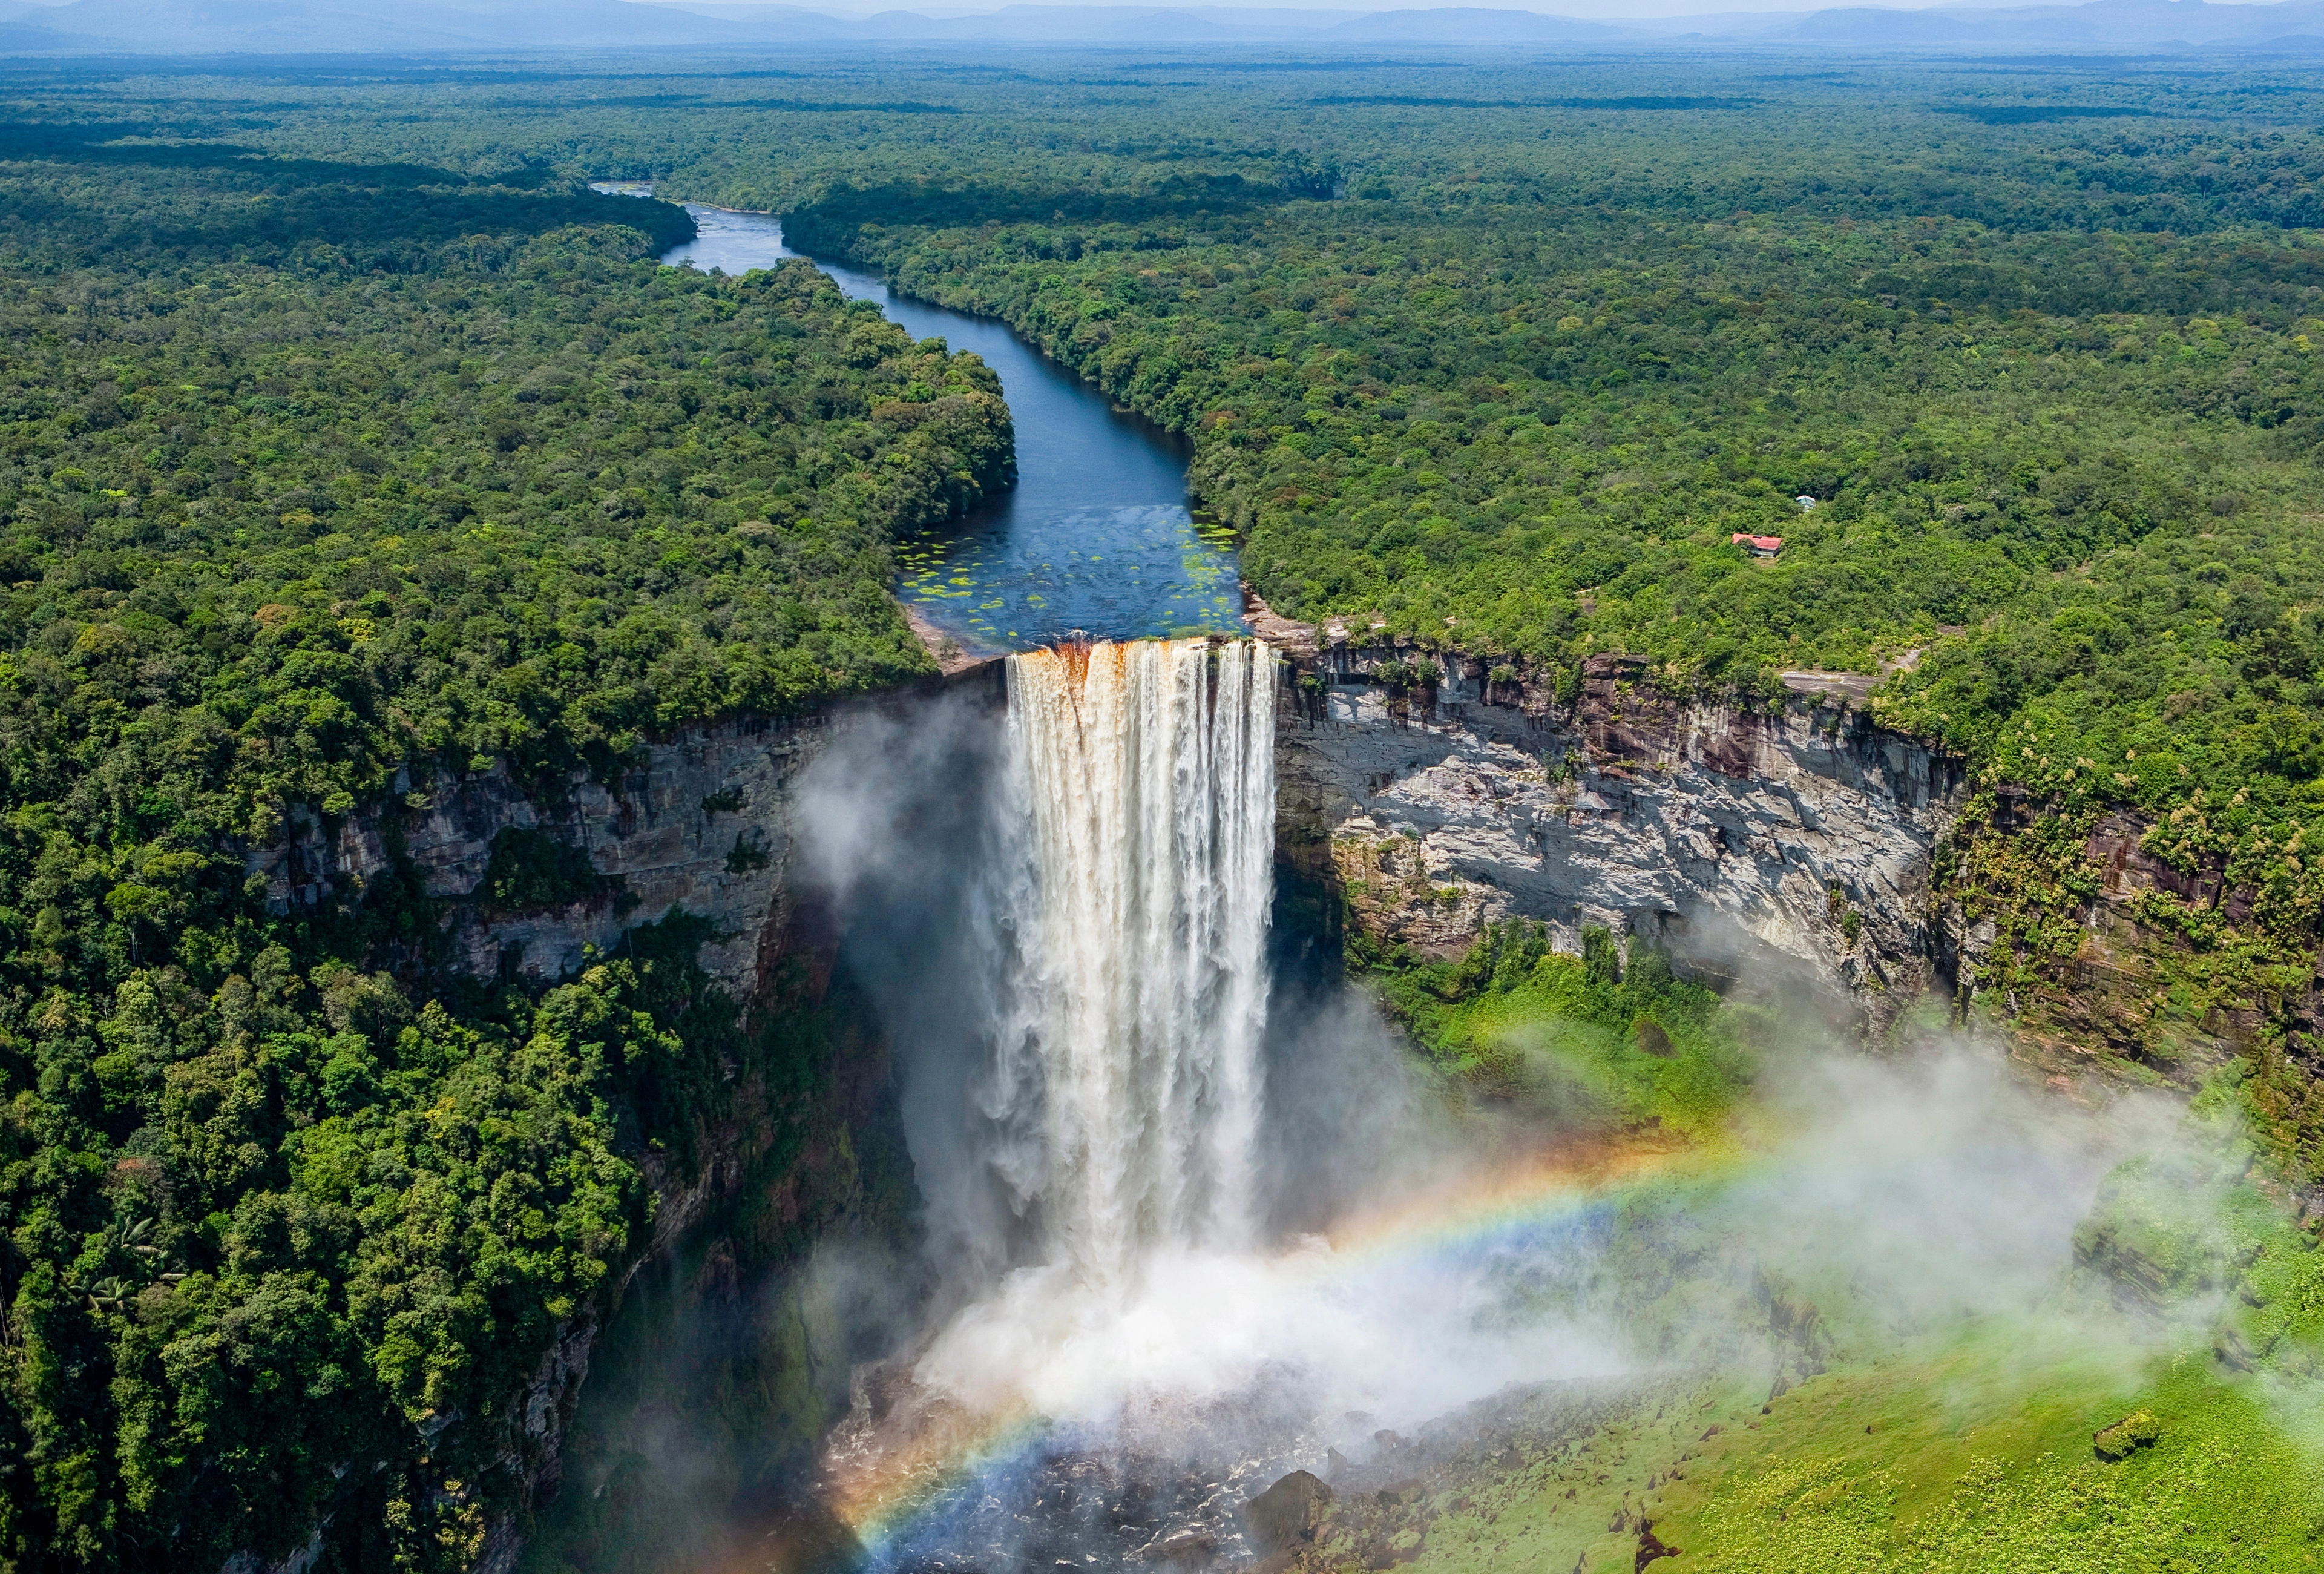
(1097, 535)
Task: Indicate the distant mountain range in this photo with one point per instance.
(1455, 24)
(435, 26)
(2109, 26)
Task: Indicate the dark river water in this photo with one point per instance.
(1097, 535)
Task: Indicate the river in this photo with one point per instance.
(1097, 535)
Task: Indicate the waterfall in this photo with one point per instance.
(1141, 794)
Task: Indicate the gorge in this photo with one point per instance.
(1040, 889)
(1102, 1291)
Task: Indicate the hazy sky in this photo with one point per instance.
(1595, 10)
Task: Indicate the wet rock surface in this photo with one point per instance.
(1286, 1513)
(1109, 1507)
(1244, 1484)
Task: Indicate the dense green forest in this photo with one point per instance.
(2059, 449)
(2036, 347)
(1501, 354)
(322, 483)
(2078, 509)
(345, 433)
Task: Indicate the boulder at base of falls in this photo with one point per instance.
(1286, 1513)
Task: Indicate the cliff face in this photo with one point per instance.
(708, 824)
(2103, 957)
(1795, 839)
(702, 825)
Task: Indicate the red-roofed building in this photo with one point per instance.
(1762, 546)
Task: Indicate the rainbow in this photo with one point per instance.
(888, 1493)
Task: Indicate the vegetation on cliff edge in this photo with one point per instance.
(322, 485)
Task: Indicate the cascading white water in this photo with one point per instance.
(1110, 1277)
(1141, 782)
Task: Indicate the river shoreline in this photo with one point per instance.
(1096, 537)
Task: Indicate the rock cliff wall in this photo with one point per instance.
(707, 824)
(702, 825)
(1792, 841)
(2101, 957)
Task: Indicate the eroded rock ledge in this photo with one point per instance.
(1439, 794)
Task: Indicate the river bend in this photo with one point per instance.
(1095, 536)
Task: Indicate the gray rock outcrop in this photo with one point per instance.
(1794, 839)
(702, 825)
